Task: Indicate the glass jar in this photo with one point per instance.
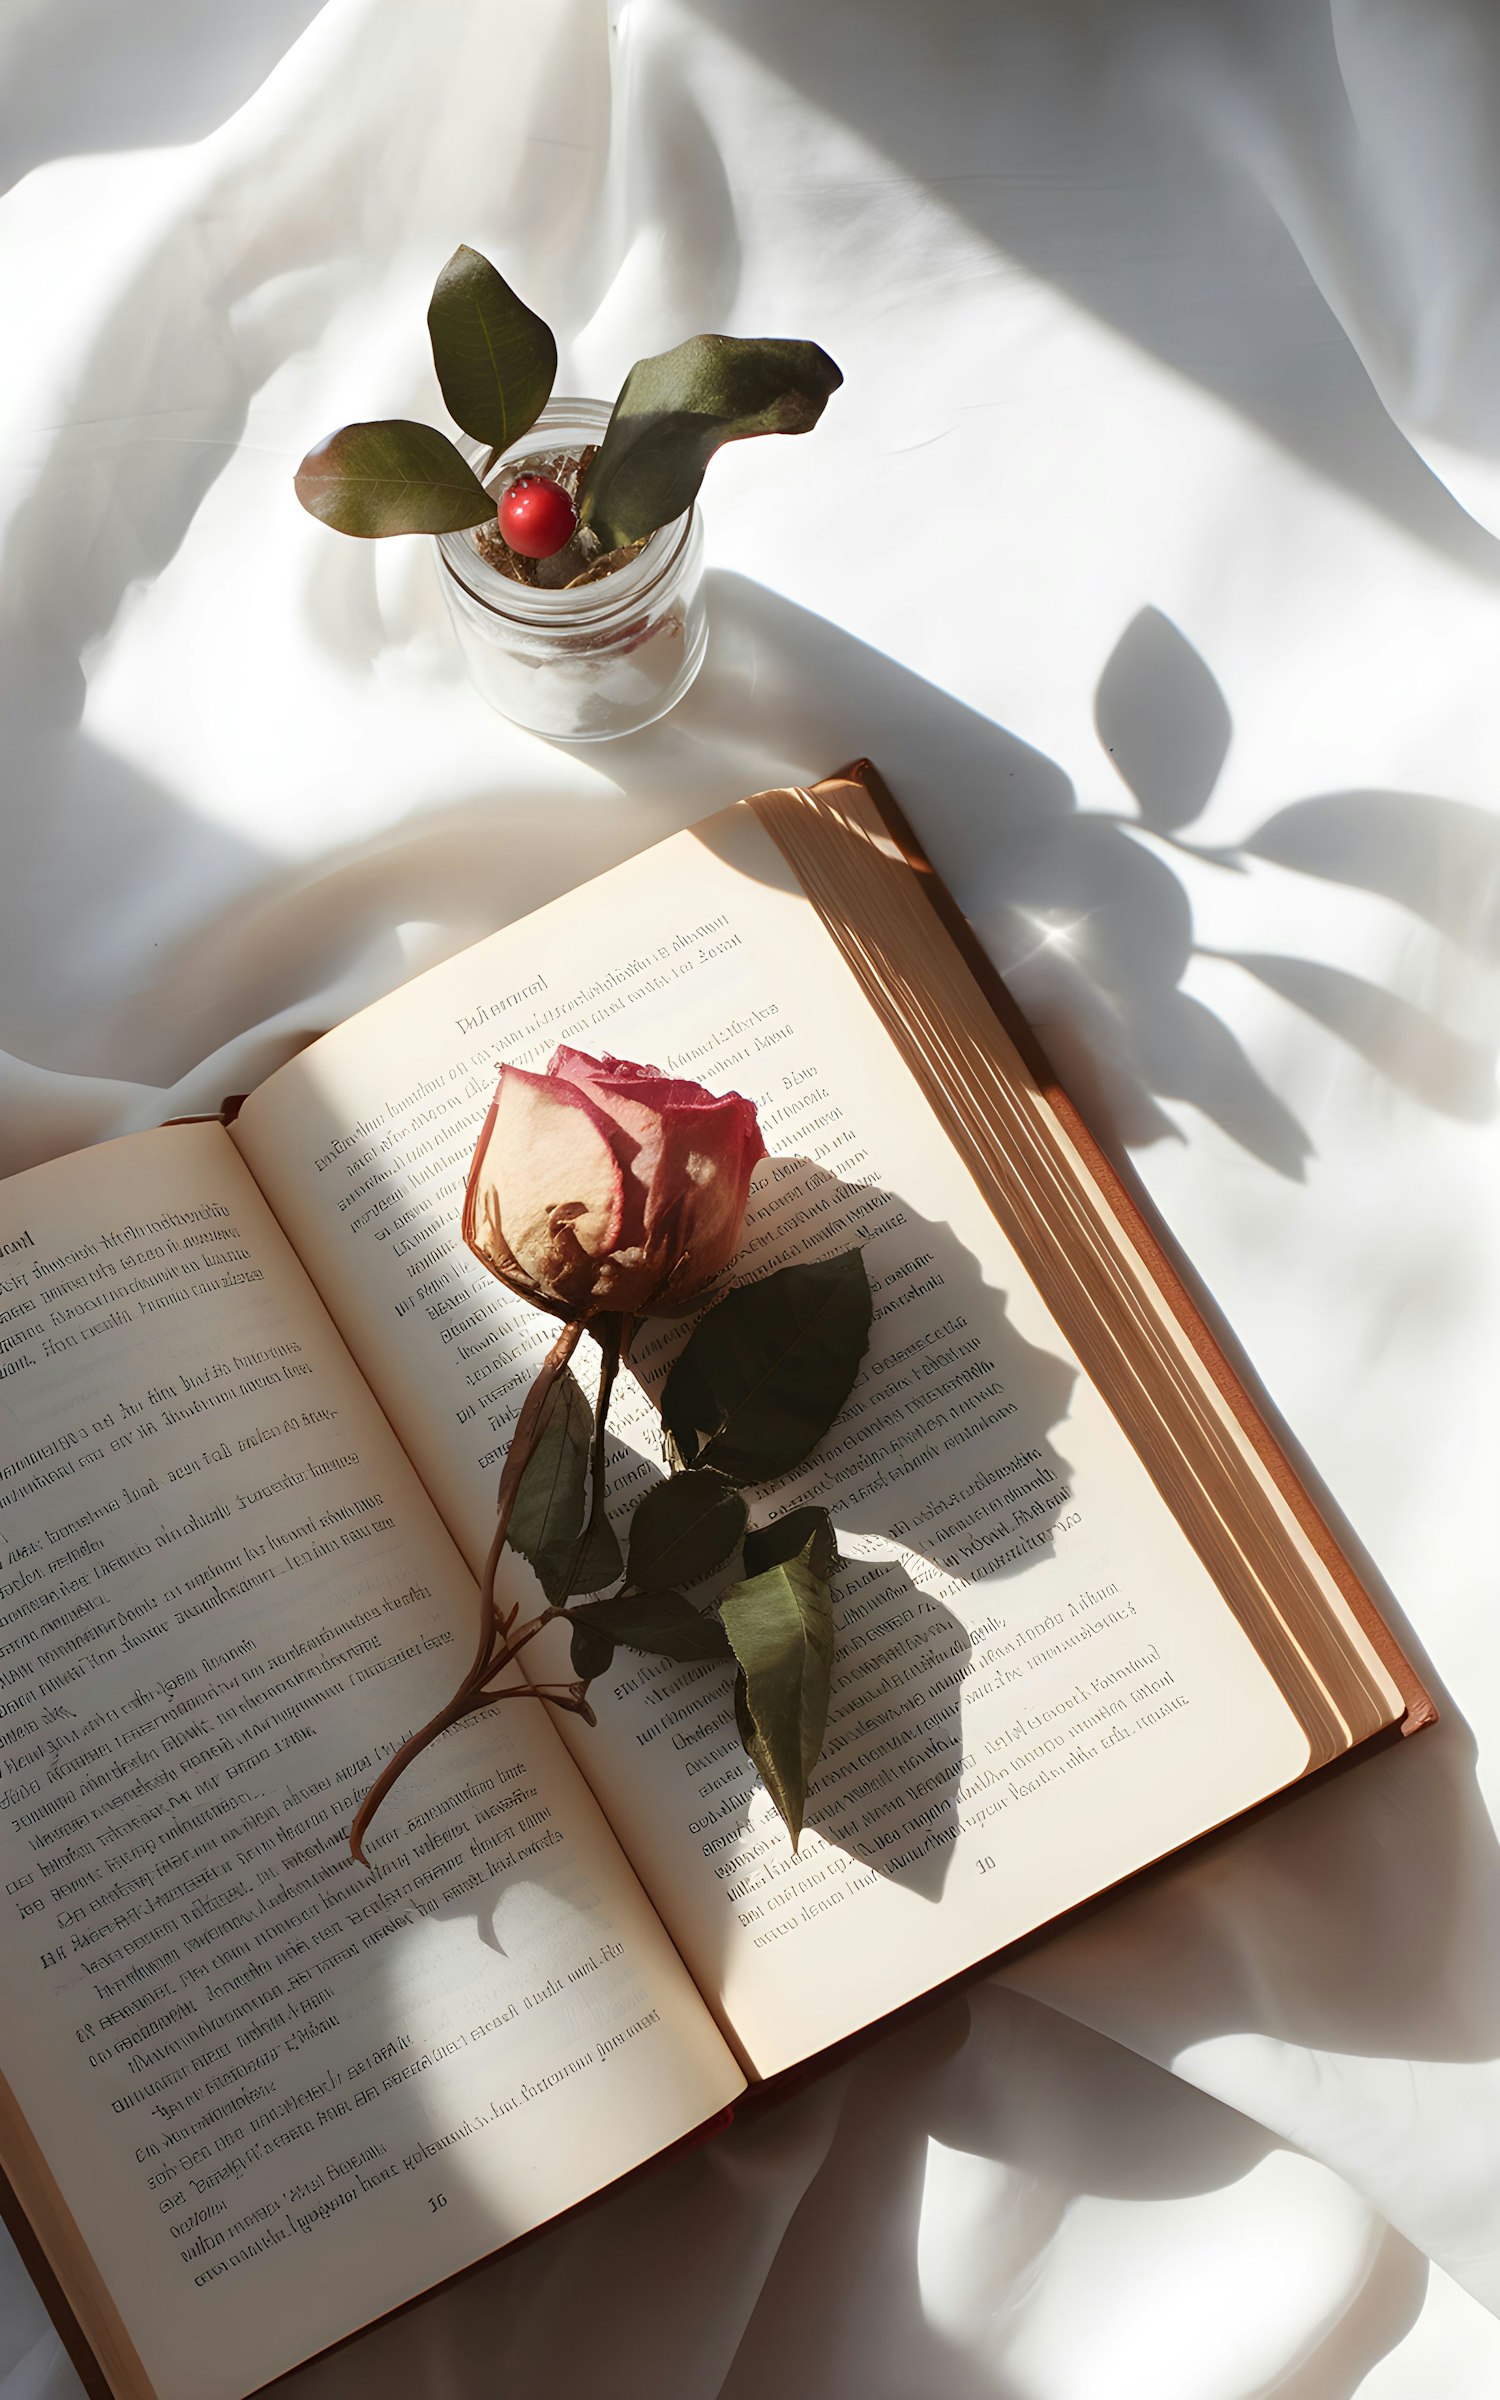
(588, 664)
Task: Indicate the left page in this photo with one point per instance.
(279, 2094)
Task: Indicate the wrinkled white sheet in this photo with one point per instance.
(1149, 548)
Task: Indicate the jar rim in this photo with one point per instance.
(586, 604)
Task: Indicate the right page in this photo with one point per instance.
(1039, 1686)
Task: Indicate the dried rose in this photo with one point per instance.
(603, 1187)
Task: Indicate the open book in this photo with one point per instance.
(254, 1395)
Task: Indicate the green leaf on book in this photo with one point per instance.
(767, 1370)
(676, 410)
(809, 1529)
(663, 1622)
(496, 359)
(683, 1528)
(780, 1628)
(548, 1517)
(593, 1651)
(391, 477)
(600, 1561)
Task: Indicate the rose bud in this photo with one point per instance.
(603, 1187)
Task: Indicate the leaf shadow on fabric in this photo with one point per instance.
(1438, 858)
(1414, 1051)
(1086, 912)
(1163, 720)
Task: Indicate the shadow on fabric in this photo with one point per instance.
(985, 2194)
(1084, 912)
(99, 78)
(1145, 162)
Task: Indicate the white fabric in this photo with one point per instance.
(1171, 331)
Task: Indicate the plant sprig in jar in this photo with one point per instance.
(567, 531)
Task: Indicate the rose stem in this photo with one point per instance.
(609, 1333)
(517, 1458)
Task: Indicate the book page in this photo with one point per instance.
(1037, 1687)
(279, 2093)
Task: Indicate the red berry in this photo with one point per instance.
(536, 517)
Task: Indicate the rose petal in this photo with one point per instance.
(628, 1092)
(481, 1219)
(644, 1103)
(697, 1202)
(634, 1128)
(545, 1190)
(606, 1184)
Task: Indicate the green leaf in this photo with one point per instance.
(780, 1627)
(683, 1528)
(660, 1621)
(754, 1748)
(593, 1651)
(391, 477)
(496, 360)
(801, 1529)
(767, 1370)
(674, 412)
(600, 1562)
(548, 1515)
(750, 1742)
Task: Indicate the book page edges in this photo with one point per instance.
(852, 795)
